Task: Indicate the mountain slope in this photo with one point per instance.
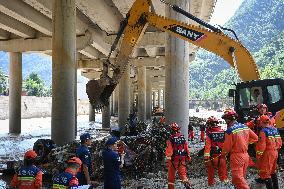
(259, 25)
(31, 62)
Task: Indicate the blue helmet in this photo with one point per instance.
(111, 141)
(85, 137)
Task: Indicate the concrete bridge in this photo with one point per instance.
(78, 35)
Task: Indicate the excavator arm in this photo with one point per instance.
(138, 18)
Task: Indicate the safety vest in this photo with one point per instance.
(217, 139)
(178, 143)
(27, 175)
(62, 181)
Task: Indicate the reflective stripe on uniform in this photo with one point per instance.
(168, 158)
(206, 154)
(171, 183)
(259, 152)
(27, 178)
(58, 186)
(240, 130)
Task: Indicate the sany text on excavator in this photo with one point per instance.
(205, 36)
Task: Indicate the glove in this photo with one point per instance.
(207, 161)
(189, 158)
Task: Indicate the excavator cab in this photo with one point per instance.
(248, 95)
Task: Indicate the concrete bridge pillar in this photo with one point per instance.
(115, 100)
(92, 113)
(148, 98)
(131, 97)
(15, 90)
(63, 71)
(154, 98)
(141, 93)
(159, 98)
(123, 99)
(106, 117)
(177, 60)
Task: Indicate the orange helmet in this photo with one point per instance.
(230, 114)
(30, 154)
(261, 106)
(75, 160)
(212, 121)
(174, 126)
(264, 119)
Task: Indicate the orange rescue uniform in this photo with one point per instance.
(212, 151)
(177, 153)
(267, 151)
(27, 177)
(237, 139)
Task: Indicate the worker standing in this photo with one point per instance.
(83, 153)
(237, 139)
(254, 124)
(190, 132)
(202, 133)
(267, 153)
(112, 164)
(212, 151)
(28, 176)
(68, 179)
(177, 155)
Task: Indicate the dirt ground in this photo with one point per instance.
(13, 147)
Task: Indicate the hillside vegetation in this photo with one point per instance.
(260, 26)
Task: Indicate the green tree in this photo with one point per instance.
(3, 83)
(34, 85)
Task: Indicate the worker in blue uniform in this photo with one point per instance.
(84, 154)
(112, 164)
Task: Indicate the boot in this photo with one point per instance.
(187, 185)
(268, 183)
(275, 181)
(259, 180)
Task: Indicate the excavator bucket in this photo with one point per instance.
(99, 92)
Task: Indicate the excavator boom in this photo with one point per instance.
(138, 18)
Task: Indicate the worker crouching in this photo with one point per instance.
(267, 153)
(28, 176)
(68, 178)
(177, 155)
(237, 139)
(212, 151)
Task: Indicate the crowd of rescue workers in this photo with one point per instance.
(257, 140)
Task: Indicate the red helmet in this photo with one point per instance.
(212, 121)
(230, 114)
(75, 160)
(264, 119)
(174, 126)
(261, 106)
(30, 154)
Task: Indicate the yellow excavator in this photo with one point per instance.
(205, 36)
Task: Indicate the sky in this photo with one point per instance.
(224, 10)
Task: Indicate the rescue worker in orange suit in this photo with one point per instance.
(28, 176)
(237, 139)
(190, 132)
(68, 178)
(212, 151)
(267, 153)
(177, 155)
(202, 133)
(254, 125)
